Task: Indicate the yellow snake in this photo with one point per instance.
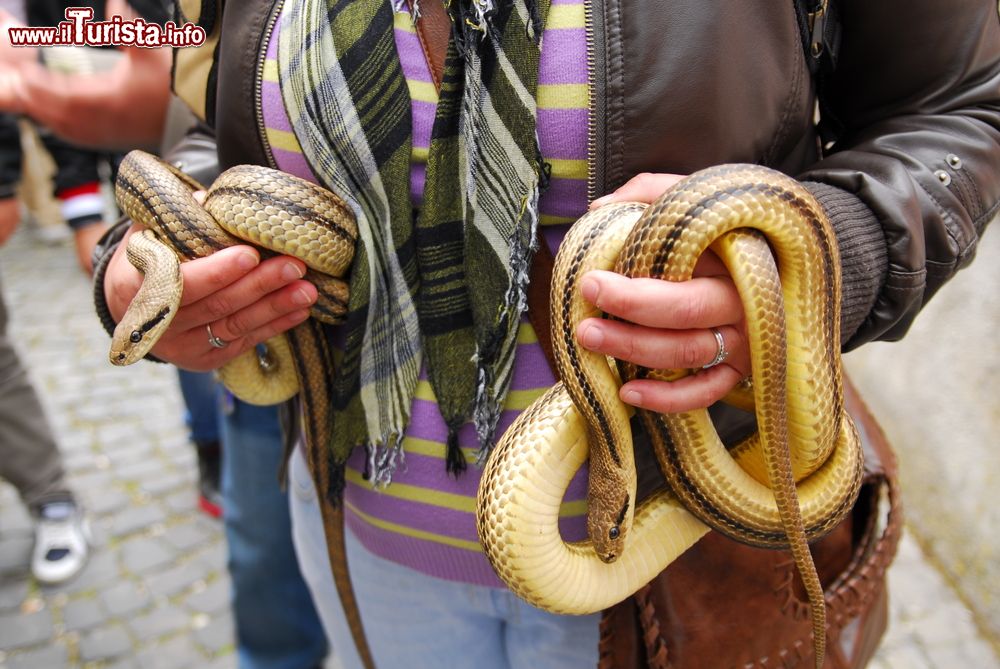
(789, 483)
(268, 208)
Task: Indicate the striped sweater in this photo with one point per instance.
(426, 519)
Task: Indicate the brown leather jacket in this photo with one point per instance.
(910, 179)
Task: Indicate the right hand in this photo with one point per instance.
(245, 300)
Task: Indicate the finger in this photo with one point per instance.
(702, 302)
(192, 351)
(658, 348)
(271, 275)
(697, 391)
(645, 187)
(205, 276)
(290, 299)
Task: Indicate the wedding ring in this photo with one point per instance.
(722, 353)
(215, 341)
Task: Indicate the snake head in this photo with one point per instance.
(608, 522)
(134, 336)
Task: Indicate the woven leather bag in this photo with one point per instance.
(724, 604)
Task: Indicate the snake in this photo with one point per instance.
(273, 210)
(792, 481)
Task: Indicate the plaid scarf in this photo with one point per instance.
(448, 283)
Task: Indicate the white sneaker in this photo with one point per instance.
(61, 540)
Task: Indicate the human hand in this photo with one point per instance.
(666, 325)
(243, 299)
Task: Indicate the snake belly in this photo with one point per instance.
(790, 483)
(268, 208)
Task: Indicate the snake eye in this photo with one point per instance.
(135, 337)
(613, 533)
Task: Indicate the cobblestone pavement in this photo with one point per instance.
(155, 592)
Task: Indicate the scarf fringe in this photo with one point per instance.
(384, 457)
(488, 402)
(455, 458)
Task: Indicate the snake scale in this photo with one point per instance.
(788, 484)
(246, 204)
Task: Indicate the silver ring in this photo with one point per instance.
(215, 341)
(722, 353)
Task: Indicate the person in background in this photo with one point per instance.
(29, 453)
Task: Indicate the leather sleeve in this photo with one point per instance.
(917, 93)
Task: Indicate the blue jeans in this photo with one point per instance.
(414, 621)
(276, 623)
(202, 419)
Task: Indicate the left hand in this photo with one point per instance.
(666, 325)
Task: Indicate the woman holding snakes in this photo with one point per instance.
(541, 111)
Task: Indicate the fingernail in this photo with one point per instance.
(632, 397)
(299, 316)
(601, 201)
(302, 298)
(592, 336)
(291, 272)
(590, 288)
(246, 261)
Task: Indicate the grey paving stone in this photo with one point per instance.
(124, 599)
(149, 468)
(190, 535)
(218, 634)
(19, 630)
(142, 554)
(213, 599)
(137, 518)
(159, 622)
(184, 501)
(176, 579)
(106, 500)
(176, 653)
(15, 553)
(47, 657)
(12, 593)
(15, 519)
(105, 643)
(224, 661)
(83, 614)
(158, 486)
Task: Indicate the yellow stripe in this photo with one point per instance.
(422, 91)
(402, 21)
(434, 449)
(526, 334)
(545, 219)
(516, 399)
(416, 534)
(562, 96)
(412, 493)
(566, 168)
(565, 16)
(270, 72)
(418, 154)
(282, 139)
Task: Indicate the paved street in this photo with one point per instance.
(155, 592)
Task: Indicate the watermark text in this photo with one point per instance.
(79, 29)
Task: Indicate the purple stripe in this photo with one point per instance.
(567, 2)
(439, 560)
(273, 107)
(293, 163)
(554, 235)
(423, 121)
(418, 177)
(415, 515)
(564, 57)
(425, 471)
(411, 56)
(565, 197)
(562, 133)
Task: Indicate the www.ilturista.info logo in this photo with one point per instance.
(80, 30)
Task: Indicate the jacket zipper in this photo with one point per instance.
(594, 29)
(259, 80)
